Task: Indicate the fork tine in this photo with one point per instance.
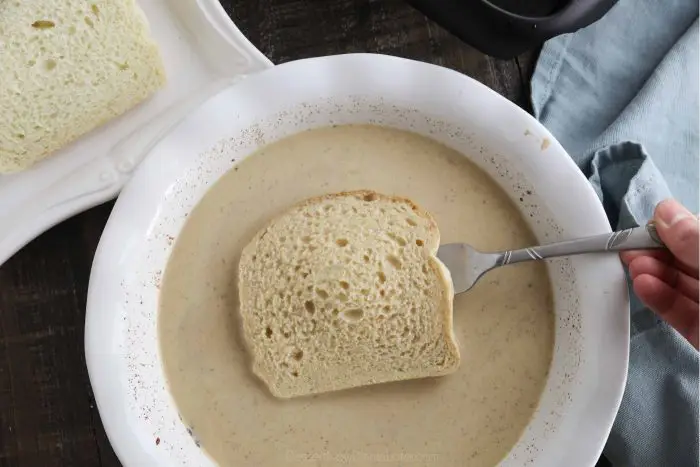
(455, 256)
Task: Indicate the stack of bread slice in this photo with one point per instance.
(66, 67)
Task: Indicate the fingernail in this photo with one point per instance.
(670, 212)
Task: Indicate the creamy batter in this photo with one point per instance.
(504, 325)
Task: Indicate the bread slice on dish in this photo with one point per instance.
(66, 67)
(343, 291)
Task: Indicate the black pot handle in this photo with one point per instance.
(574, 15)
(503, 34)
(471, 21)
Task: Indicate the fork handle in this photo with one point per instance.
(638, 238)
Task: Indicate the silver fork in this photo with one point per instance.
(467, 265)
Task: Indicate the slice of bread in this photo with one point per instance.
(66, 67)
(344, 291)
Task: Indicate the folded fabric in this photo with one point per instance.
(622, 98)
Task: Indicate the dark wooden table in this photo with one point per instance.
(47, 412)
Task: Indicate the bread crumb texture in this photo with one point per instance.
(66, 67)
(344, 291)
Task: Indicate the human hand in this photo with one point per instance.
(667, 281)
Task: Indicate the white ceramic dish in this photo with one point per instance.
(592, 333)
(203, 52)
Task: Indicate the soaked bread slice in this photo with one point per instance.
(345, 290)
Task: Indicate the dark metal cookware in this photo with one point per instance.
(506, 28)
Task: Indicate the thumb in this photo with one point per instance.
(678, 228)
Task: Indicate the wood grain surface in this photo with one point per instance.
(47, 412)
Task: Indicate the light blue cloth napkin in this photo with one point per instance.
(622, 98)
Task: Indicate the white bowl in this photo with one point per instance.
(589, 366)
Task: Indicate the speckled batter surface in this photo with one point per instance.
(504, 325)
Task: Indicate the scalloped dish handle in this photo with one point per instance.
(99, 180)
